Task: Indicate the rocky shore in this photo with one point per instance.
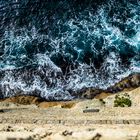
(95, 118)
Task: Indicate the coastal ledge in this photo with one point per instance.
(127, 84)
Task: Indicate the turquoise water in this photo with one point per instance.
(56, 48)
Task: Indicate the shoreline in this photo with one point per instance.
(29, 118)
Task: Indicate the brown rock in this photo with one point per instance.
(91, 93)
(68, 104)
(23, 99)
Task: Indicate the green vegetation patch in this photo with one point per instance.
(122, 101)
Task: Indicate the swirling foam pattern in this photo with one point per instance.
(56, 48)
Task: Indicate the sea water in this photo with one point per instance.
(54, 48)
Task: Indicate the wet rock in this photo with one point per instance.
(130, 82)
(91, 93)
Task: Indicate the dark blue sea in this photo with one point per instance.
(54, 48)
